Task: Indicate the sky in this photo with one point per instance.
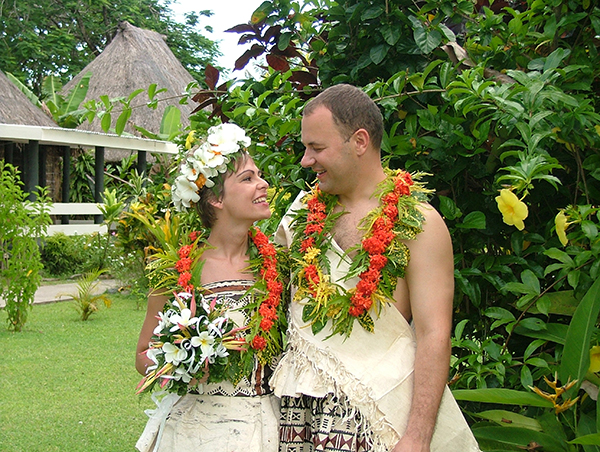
(227, 13)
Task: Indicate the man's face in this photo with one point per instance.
(327, 152)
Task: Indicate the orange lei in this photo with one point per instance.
(266, 319)
(380, 261)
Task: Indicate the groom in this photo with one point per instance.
(369, 374)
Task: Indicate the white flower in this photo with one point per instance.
(207, 155)
(205, 341)
(205, 162)
(181, 374)
(152, 353)
(228, 136)
(216, 326)
(221, 351)
(173, 354)
(188, 171)
(183, 320)
(163, 321)
(185, 191)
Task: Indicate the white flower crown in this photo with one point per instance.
(206, 161)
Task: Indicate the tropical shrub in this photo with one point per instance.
(86, 300)
(21, 222)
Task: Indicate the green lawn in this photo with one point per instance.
(68, 385)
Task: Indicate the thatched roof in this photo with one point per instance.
(135, 59)
(16, 108)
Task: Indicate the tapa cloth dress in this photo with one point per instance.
(369, 374)
(223, 417)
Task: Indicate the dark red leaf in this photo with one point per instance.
(303, 78)
(201, 96)
(247, 38)
(241, 28)
(291, 52)
(281, 141)
(278, 62)
(205, 104)
(216, 111)
(271, 32)
(211, 76)
(252, 52)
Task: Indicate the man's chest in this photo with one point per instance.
(346, 232)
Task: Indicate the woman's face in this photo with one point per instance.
(245, 193)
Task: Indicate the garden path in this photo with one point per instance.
(50, 293)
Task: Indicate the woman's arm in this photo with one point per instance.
(155, 304)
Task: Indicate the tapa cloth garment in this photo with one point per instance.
(373, 371)
(224, 417)
(213, 423)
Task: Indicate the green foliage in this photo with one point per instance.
(86, 299)
(62, 255)
(516, 110)
(46, 37)
(82, 180)
(67, 255)
(104, 109)
(65, 109)
(21, 222)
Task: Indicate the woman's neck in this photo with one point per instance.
(229, 242)
(226, 256)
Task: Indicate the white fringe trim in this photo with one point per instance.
(306, 358)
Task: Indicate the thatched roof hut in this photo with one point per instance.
(16, 108)
(135, 59)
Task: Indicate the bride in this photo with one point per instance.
(229, 194)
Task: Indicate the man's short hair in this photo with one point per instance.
(352, 109)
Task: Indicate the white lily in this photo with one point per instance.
(221, 351)
(216, 326)
(186, 191)
(183, 320)
(173, 354)
(163, 322)
(205, 341)
(182, 374)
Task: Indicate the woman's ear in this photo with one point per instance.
(216, 203)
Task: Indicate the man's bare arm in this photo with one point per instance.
(430, 281)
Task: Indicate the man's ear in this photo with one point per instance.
(361, 141)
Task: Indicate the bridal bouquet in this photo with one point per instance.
(191, 345)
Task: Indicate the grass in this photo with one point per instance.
(69, 385)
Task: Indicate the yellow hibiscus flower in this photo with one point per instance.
(560, 222)
(513, 210)
(595, 359)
